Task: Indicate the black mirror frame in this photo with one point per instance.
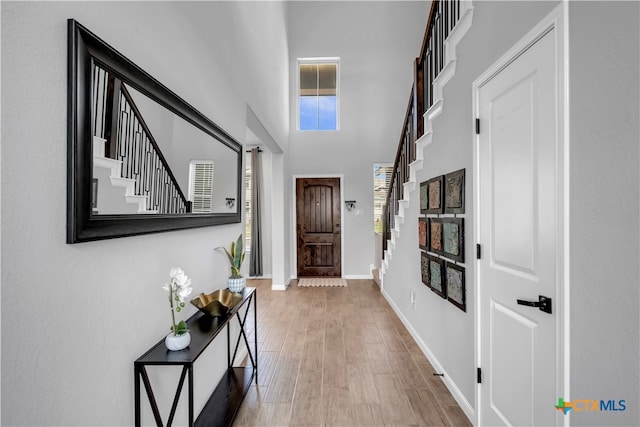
(83, 48)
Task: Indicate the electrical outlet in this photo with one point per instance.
(412, 296)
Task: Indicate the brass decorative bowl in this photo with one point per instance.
(217, 303)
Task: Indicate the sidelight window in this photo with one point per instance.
(381, 182)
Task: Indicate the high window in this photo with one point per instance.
(381, 180)
(318, 94)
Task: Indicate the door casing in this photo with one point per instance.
(556, 20)
(294, 246)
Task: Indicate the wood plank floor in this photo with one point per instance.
(340, 357)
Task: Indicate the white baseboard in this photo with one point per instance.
(280, 286)
(357, 276)
(266, 276)
(464, 404)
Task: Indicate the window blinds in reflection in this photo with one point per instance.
(201, 186)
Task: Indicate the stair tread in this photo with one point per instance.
(105, 161)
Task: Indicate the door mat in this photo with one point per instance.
(315, 282)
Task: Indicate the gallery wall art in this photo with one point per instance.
(441, 234)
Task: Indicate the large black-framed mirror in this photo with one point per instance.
(140, 159)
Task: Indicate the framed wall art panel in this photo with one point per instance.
(424, 197)
(453, 238)
(456, 293)
(435, 242)
(435, 193)
(454, 192)
(424, 268)
(423, 233)
(436, 276)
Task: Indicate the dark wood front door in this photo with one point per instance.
(318, 227)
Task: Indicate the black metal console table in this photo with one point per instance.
(222, 406)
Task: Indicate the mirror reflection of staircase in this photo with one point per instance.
(130, 173)
(114, 194)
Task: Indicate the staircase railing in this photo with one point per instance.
(443, 17)
(405, 155)
(118, 120)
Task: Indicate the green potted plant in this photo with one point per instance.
(236, 257)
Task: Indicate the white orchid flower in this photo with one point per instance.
(183, 293)
(175, 271)
(181, 281)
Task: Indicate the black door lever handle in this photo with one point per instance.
(543, 303)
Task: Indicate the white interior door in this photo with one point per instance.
(518, 191)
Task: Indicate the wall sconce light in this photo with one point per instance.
(230, 202)
(350, 204)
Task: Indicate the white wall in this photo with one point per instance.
(281, 250)
(447, 331)
(75, 317)
(377, 43)
(604, 46)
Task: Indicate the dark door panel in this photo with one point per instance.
(318, 227)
